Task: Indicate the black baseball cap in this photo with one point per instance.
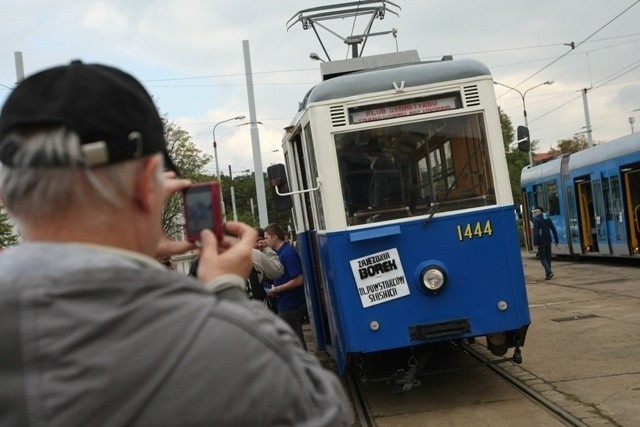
(109, 109)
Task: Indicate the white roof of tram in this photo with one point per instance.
(381, 79)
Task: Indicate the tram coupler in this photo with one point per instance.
(404, 380)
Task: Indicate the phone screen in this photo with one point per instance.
(199, 208)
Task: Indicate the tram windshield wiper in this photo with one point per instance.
(435, 207)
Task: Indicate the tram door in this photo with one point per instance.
(526, 220)
(572, 221)
(600, 197)
(307, 178)
(631, 182)
(586, 216)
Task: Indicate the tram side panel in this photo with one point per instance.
(604, 199)
(600, 199)
(376, 299)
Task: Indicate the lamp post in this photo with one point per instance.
(524, 109)
(215, 154)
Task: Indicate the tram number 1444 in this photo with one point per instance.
(469, 231)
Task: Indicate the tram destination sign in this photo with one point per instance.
(411, 107)
(379, 277)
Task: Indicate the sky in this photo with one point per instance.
(189, 56)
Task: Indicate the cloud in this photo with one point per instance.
(188, 53)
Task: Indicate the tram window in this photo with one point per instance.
(616, 207)
(606, 197)
(552, 198)
(412, 169)
(538, 194)
(313, 174)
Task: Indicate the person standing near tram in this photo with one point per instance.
(543, 228)
(289, 288)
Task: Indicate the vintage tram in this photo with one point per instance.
(403, 210)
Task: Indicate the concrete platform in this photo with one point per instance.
(584, 340)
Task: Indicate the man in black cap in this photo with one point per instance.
(93, 331)
(543, 228)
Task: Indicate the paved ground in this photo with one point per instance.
(583, 346)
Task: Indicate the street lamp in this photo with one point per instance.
(215, 153)
(316, 57)
(524, 109)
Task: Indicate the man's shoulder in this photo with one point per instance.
(288, 249)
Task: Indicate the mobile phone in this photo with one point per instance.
(202, 210)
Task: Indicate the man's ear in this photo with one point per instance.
(148, 184)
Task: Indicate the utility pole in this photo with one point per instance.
(17, 57)
(233, 197)
(255, 139)
(524, 110)
(587, 119)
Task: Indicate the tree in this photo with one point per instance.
(507, 128)
(7, 238)
(245, 190)
(190, 161)
(573, 144)
(516, 159)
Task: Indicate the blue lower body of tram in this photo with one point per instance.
(370, 296)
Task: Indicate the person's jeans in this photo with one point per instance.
(294, 317)
(544, 252)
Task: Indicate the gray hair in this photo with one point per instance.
(35, 194)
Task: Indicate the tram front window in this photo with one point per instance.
(414, 169)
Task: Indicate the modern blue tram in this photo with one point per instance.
(592, 196)
(403, 211)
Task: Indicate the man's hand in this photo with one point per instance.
(172, 185)
(271, 292)
(166, 246)
(229, 256)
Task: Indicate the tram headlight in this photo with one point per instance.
(433, 279)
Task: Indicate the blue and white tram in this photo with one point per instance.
(403, 210)
(593, 198)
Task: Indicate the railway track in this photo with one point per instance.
(481, 404)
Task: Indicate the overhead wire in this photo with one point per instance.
(579, 44)
(613, 76)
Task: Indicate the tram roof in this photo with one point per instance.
(543, 170)
(615, 148)
(380, 79)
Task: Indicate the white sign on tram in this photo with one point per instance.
(379, 277)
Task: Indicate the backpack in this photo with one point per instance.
(254, 286)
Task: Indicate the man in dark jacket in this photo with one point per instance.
(542, 229)
(93, 331)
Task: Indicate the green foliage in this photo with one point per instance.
(244, 187)
(190, 161)
(507, 128)
(516, 159)
(572, 145)
(7, 238)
